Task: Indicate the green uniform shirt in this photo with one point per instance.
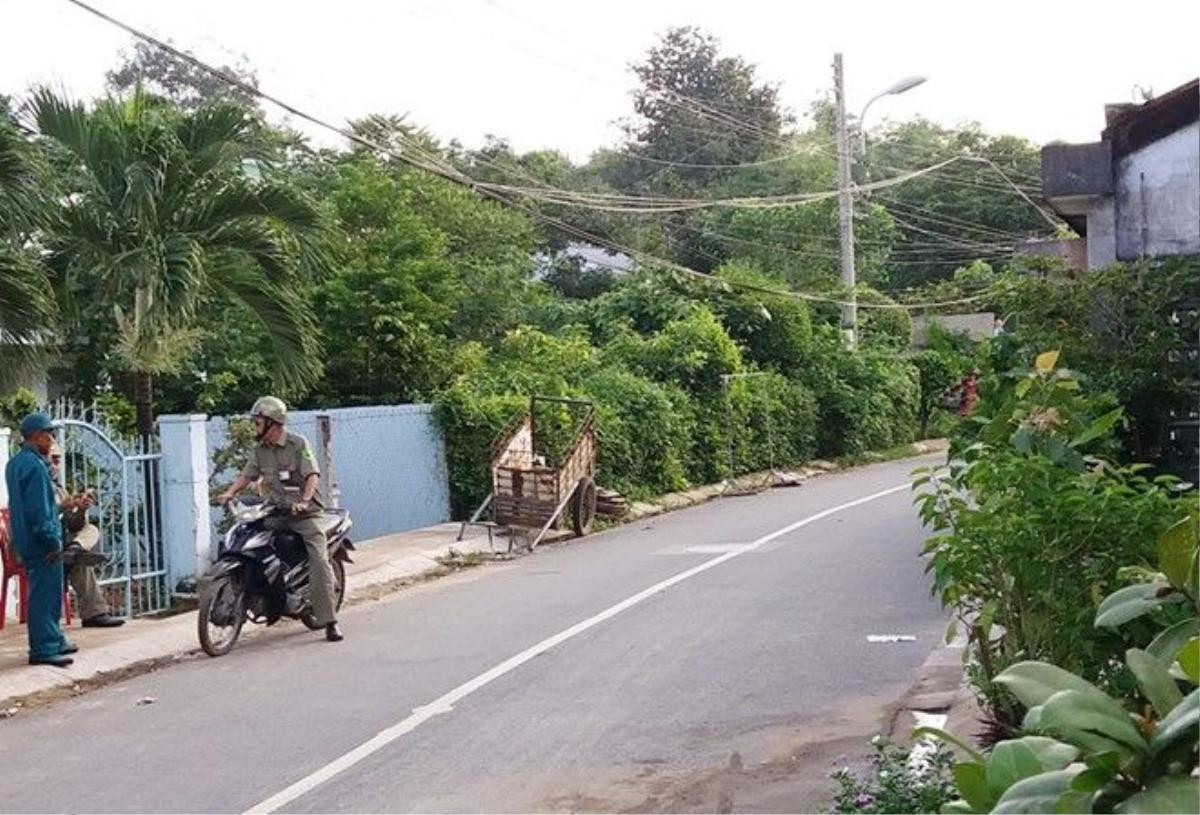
(283, 467)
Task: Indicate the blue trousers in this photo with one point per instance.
(45, 608)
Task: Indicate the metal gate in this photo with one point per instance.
(124, 472)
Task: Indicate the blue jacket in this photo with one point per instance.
(36, 529)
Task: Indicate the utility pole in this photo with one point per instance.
(845, 207)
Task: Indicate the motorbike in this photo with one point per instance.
(261, 572)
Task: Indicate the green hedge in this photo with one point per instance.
(687, 391)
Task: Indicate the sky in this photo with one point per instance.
(555, 74)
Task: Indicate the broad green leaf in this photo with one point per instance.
(1156, 684)
(1172, 793)
(1051, 753)
(1167, 644)
(1099, 427)
(1022, 439)
(1046, 362)
(1092, 722)
(1128, 604)
(1038, 794)
(1068, 385)
(970, 777)
(1023, 387)
(958, 807)
(1193, 584)
(1180, 727)
(1033, 719)
(1109, 762)
(1188, 657)
(938, 733)
(1092, 779)
(1035, 682)
(1075, 801)
(1175, 547)
(951, 631)
(1008, 763)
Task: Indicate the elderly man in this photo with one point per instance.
(93, 608)
(37, 537)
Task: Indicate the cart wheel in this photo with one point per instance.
(583, 506)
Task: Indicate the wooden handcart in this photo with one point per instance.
(527, 492)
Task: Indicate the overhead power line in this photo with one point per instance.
(432, 164)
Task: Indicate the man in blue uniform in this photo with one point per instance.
(37, 538)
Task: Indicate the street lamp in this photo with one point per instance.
(906, 84)
(845, 199)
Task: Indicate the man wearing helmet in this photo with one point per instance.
(288, 469)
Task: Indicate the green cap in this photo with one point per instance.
(35, 423)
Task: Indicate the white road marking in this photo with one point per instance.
(446, 702)
(891, 638)
(716, 548)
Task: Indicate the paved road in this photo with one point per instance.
(695, 694)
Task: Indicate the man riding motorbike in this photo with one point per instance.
(288, 469)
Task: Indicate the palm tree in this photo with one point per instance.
(164, 211)
(26, 303)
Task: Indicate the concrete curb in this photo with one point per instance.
(940, 693)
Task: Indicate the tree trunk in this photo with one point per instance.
(143, 399)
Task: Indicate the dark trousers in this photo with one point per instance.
(45, 608)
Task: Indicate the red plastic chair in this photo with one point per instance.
(13, 568)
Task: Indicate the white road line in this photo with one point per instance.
(445, 703)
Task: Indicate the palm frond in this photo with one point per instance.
(257, 242)
(154, 346)
(68, 123)
(215, 134)
(286, 319)
(27, 308)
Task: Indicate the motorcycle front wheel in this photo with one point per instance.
(222, 614)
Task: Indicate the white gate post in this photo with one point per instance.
(5, 440)
(187, 523)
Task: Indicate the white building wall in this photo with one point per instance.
(1157, 192)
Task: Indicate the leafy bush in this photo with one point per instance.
(643, 430)
(1083, 750)
(470, 424)
(901, 781)
(935, 373)
(1029, 533)
(774, 331)
(882, 328)
(17, 406)
(865, 401)
(1116, 324)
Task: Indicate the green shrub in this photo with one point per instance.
(864, 401)
(470, 424)
(643, 429)
(1031, 530)
(900, 781)
(775, 332)
(1083, 750)
(935, 373)
(882, 328)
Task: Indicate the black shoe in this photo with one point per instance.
(333, 633)
(104, 620)
(57, 661)
(70, 648)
